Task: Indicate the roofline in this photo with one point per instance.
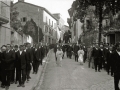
(39, 7)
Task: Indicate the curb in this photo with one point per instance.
(40, 76)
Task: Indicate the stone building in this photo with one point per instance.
(41, 16)
(5, 32)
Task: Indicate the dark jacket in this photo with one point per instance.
(116, 62)
(41, 53)
(109, 57)
(29, 56)
(76, 48)
(8, 60)
(63, 48)
(95, 53)
(105, 52)
(36, 55)
(21, 60)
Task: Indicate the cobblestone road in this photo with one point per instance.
(73, 76)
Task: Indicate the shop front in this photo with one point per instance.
(113, 36)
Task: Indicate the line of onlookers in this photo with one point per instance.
(16, 63)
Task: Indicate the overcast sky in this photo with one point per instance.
(54, 6)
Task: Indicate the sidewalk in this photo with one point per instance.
(33, 81)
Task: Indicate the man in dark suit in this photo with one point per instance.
(36, 59)
(85, 54)
(76, 48)
(109, 61)
(41, 52)
(55, 50)
(105, 52)
(63, 49)
(16, 71)
(70, 49)
(8, 59)
(29, 61)
(95, 55)
(13, 71)
(0, 66)
(3, 50)
(116, 63)
(21, 66)
(101, 57)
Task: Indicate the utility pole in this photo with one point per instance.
(38, 25)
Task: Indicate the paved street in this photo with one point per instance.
(72, 76)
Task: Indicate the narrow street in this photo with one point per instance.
(73, 76)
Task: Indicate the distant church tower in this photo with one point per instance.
(20, 0)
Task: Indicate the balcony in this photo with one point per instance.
(3, 20)
(3, 13)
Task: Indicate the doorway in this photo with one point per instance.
(112, 38)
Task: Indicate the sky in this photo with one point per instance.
(54, 6)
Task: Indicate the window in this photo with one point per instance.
(24, 19)
(52, 23)
(49, 21)
(46, 19)
(46, 29)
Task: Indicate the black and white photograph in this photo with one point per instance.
(59, 44)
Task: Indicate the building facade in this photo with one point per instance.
(5, 32)
(75, 26)
(41, 16)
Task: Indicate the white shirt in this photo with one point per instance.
(25, 50)
(118, 53)
(16, 50)
(96, 48)
(101, 49)
(110, 51)
(20, 52)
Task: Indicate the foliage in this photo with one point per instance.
(14, 21)
(102, 7)
(31, 29)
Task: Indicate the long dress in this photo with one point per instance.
(80, 56)
(59, 55)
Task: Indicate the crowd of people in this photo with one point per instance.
(16, 63)
(103, 56)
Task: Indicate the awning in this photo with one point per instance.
(3, 20)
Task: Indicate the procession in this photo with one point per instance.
(59, 44)
(18, 61)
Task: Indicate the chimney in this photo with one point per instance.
(20, 0)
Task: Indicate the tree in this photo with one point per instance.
(31, 29)
(15, 23)
(100, 5)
